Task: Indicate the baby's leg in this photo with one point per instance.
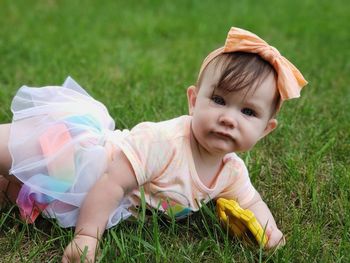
(9, 185)
(5, 157)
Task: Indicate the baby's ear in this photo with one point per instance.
(191, 98)
(271, 125)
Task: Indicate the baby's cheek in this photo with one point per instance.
(252, 137)
(246, 144)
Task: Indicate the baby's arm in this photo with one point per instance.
(265, 218)
(103, 197)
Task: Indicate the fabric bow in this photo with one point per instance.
(289, 79)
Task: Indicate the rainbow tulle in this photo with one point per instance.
(57, 143)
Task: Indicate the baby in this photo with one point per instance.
(69, 163)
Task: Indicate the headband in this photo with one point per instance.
(289, 79)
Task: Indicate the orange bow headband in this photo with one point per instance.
(289, 79)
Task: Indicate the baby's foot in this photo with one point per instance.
(8, 191)
(4, 184)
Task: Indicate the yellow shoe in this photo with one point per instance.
(239, 220)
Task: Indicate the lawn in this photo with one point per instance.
(138, 58)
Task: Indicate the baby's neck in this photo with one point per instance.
(207, 165)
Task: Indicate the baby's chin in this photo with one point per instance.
(223, 147)
(219, 150)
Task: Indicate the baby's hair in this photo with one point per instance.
(241, 70)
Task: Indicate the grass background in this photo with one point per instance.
(138, 57)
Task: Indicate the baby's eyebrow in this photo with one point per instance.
(254, 106)
(218, 91)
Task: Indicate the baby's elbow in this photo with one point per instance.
(110, 187)
(121, 173)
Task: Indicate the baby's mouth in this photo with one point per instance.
(224, 135)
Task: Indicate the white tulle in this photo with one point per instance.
(35, 111)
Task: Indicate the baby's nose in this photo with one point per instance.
(228, 120)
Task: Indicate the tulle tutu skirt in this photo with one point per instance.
(57, 143)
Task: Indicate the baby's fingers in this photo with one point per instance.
(80, 249)
(71, 254)
(65, 259)
(276, 239)
(71, 258)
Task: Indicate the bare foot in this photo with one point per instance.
(8, 191)
(4, 184)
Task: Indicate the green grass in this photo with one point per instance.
(138, 59)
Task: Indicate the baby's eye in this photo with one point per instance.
(218, 100)
(248, 112)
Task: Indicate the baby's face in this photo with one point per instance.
(231, 122)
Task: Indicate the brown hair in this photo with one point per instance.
(241, 70)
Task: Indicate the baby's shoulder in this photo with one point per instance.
(165, 130)
(235, 162)
(232, 157)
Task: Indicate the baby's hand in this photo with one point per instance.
(276, 238)
(76, 248)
